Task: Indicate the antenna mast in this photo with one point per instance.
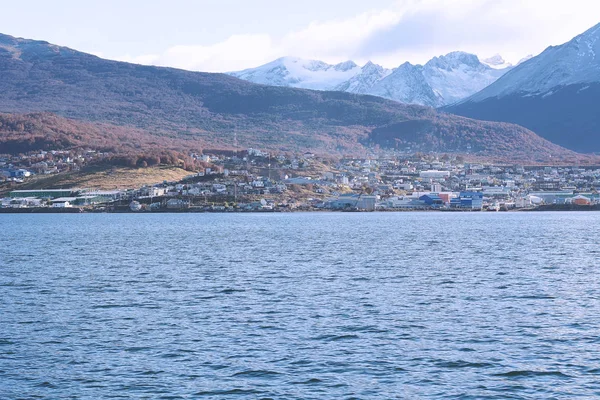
(235, 146)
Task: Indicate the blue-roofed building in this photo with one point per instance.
(468, 201)
(432, 200)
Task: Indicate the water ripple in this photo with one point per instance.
(300, 306)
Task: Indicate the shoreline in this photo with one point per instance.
(78, 210)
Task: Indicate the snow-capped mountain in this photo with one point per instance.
(555, 94)
(496, 62)
(296, 72)
(443, 80)
(407, 84)
(458, 75)
(362, 82)
(577, 61)
(526, 58)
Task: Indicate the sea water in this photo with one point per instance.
(300, 306)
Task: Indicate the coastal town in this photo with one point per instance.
(256, 180)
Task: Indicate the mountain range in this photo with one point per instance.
(441, 81)
(195, 110)
(555, 94)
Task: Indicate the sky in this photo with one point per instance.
(231, 35)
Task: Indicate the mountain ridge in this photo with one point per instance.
(442, 80)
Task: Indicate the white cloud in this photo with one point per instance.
(338, 38)
(237, 52)
(408, 30)
(513, 28)
(147, 59)
(234, 53)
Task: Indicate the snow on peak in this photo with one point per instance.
(313, 65)
(407, 85)
(345, 66)
(372, 68)
(370, 64)
(574, 62)
(454, 60)
(363, 82)
(301, 73)
(443, 80)
(526, 58)
(497, 62)
(458, 75)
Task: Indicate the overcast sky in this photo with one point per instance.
(228, 35)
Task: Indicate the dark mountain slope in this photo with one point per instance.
(569, 116)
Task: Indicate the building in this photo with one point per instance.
(353, 201)
(21, 202)
(366, 203)
(468, 201)
(432, 200)
(63, 202)
(45, 193)
(106, 195)
(343, 202)
(434, 174)
(176, 204)
(446, 197)
(404, 203)
(496, 191)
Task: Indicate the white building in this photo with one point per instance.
(63, 202)
(431, 173)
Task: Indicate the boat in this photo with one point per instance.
(135, 206)
(494, 207)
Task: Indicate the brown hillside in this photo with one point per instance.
(155, 104)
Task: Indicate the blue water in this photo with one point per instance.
(300, 306)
